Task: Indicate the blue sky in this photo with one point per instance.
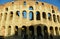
(54, 2)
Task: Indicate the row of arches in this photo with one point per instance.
(31, 15)
(38, 16)
(41, 32)
(32, 32)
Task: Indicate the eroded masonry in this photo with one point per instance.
(29, 20)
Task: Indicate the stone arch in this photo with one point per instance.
(38, 15)
(24, 13)
(31, 15)
(24, 32)
(49, 16)
(42, 3)
(53, 11)
(31, 32)
(45, 29)
(37, 2)
(16, 30)
(56, 30)
(6, 9)
(11, 15)
(18, 13)
(51, 32)
(24, 28)
(9, 30)
(44, 15)
(54, 17)
(31, 8)
(39, 32)
(24, 2)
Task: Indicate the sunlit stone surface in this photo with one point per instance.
(29, 19)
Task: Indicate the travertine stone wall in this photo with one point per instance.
(9, 18)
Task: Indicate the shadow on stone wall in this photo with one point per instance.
(19, 37)
(26, 36)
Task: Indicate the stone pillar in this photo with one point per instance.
(42, 31)
(12, 30)
(48, 32)
(59, 31)
(41, 16)
(28, 32)
(27, 15)
(34, 12)
(35, 32)
(54, 30)
(6, 30)
(54, 35)
(19, 32)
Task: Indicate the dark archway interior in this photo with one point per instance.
(56, 30)
(31, 32)
(18, 13)
(45, 32)
(23, 32)
(39, 32)
(16, 30)
(44, 15)
(9, 30)
(31, 29)
(54, 17)
(51, 32)
(38, 15)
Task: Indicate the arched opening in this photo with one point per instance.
(54, 17)
(6, 9)
(42, 3)
(58, 18)
(11, 15)
(37, 2)
(16, 30)
(38, 15)
(18, 13)
(31, 8)
(39, 32)
(45, 32)
(51, 32)
(1, 37)
(49, 16)
(53, 11)
(31, 32)
(56, 30)
(24, 14)
(24, 32)
(9, 30)
(31, 15)
(52, 7)
(44, 15)
(24, 2)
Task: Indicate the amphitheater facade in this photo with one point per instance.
(29, 19)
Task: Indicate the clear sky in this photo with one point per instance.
(54, 2)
